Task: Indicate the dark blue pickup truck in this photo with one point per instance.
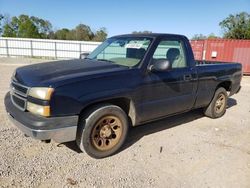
(127, 81)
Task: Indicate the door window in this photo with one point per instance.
(173, 51)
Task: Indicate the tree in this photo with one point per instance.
(44, 26)
(33, 27)
(8, 31)
(1, 19)
(212, 36)
(51, 35)
(141, 32)
(100, 35)
(236, 26)
(83, 32)
(80, 32)
(202, 37)
(61, 34)
(27, 27)
(199, 37)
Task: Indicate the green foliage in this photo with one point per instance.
(100, 35)
(33, 27)
(199, 37)
(80, 32)
(43, 26)
(236, 26)
(83, 32)
(62, 34)
(8, 31)
(202, 37)
(212, 36)
(141, 32)
(26, 27)
(1, 19)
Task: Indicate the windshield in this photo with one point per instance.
(126, 51)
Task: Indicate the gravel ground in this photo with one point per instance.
(187, 150)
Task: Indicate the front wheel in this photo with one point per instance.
(217, 106)
(102, 131)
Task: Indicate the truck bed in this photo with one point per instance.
(211, 74)
(202, 62)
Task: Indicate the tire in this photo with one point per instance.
(218, 105)
(102, 130)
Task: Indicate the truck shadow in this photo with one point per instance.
(136, 133)
(231, 102)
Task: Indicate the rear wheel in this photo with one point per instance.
(103, 132)
(217, 106)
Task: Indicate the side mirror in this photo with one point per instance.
(160, 65)
(83, 55)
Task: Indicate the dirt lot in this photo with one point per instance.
(187, 150)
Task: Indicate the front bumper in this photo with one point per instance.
(59, 129)
(238, 90)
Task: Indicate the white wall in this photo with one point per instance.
(44, 47)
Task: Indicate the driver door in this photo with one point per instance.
(171, 91)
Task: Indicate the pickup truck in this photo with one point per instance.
(126, 81)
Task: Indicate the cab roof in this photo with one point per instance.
(151, 35)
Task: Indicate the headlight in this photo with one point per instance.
(38, 109)
(43, 93)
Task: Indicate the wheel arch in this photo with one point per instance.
(227, 85)
(126, 104)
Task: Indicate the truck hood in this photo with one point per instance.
(53, 73)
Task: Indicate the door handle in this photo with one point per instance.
(188, 77)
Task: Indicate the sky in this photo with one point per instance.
(188, 17)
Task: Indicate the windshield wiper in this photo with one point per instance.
(105, 60)
(88, 58)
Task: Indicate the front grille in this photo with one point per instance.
(19, 94)
(22, 90)
(18, 101)
(19, 88)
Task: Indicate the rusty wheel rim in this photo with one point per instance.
(220, 103)
(106, 133)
